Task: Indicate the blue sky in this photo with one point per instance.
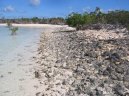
(56, 8)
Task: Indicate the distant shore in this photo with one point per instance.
(33, 25)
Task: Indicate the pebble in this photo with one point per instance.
(75, 69)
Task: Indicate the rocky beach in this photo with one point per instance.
(64, 48)
(18, 61)
(61, 61)
(84, 63)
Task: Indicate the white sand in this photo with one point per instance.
(33, 25)
(17, 69)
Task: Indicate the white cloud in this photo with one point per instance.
(8, 9)
(35, 2)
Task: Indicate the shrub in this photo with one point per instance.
(119, 17)
(14, 30)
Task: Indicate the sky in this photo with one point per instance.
(56, 8)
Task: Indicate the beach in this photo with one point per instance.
(61, 61)
(33, 25)
(17, 68)
(84, 63)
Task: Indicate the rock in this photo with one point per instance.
(97, 66)
(114, 57)
(106, 73)
(91, 54)
(126, 78)
(118, 90)
(126, 94)
(37, 75)
(99, 93)
(106, 53)
(119, 70)
(58, 61)
(126, 84)
(114, 76)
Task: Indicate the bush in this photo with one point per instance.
(118, 17)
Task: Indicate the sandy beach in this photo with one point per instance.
(34, 25)
(17, 69)
(64, 48)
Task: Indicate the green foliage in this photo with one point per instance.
(35, 19)
(75, 19)
(113, 17)
(57, 20)
(14, 30)
(118, 17)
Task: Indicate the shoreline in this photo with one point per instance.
(67, 60)
(76, 64)
(17, 69)
(34, 25)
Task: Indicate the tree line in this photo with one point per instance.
(118, 17)
(35, 20)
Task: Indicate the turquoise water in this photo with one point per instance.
(9, 43)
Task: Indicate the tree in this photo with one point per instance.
(97, 11)
(75, 19)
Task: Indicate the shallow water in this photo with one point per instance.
(10, 43)
(17, 65)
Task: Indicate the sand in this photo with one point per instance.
(17, 69)
(33, 25)
(17, 76)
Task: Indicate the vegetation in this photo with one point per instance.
(119, 17)
(35, 20)
(14, 30)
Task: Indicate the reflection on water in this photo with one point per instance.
(9, 43)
